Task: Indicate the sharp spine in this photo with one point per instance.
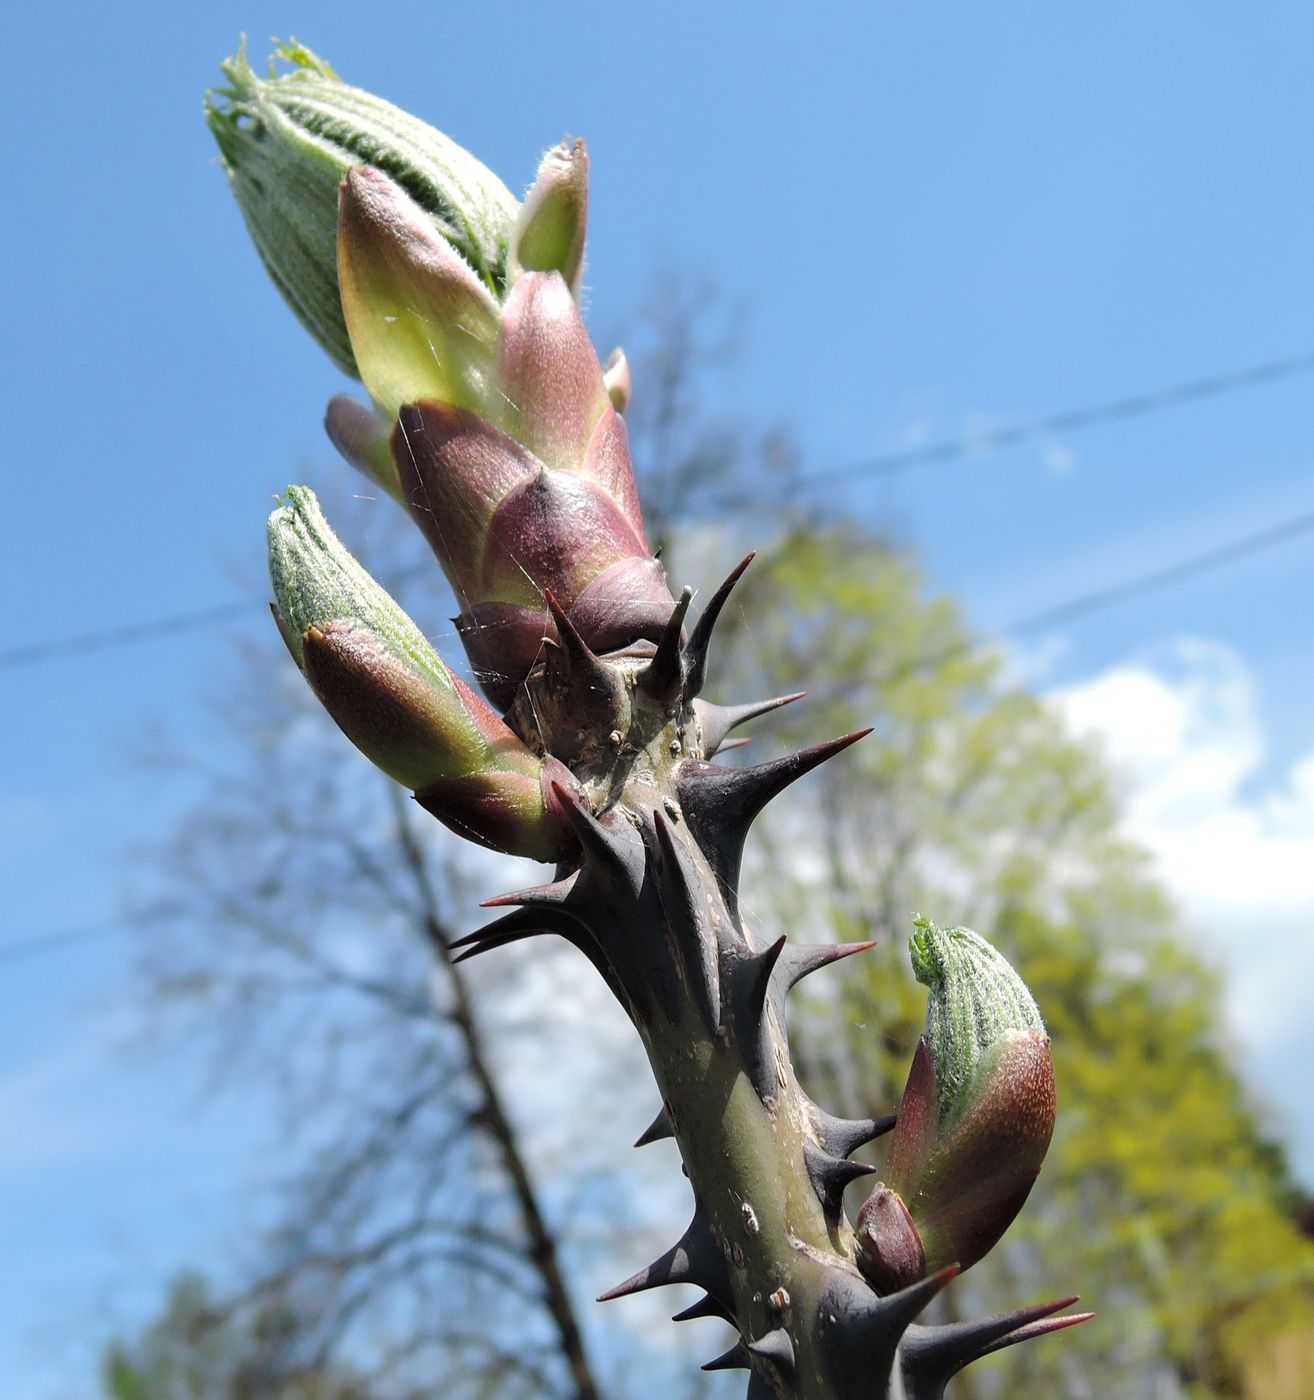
(603, 849)
(932, 1356)
(657, 1131)
(765, 967)
(1037, 1329)
(802, 960)
(519, 923)
(706, 1306)
(726, 745)
(736, 1359)
(776, 1347)
(693, 1258)
(718, 720)
(695, 654)
(897, 1310)
(745, 1000)
(576, 655)
(663, 676)
(840, 1136)
(720, 803)
(830, 1176)
(551, 895)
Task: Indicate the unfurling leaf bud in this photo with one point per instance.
(978, 1109)
(550, 230)
(288, 140)
(392, 696)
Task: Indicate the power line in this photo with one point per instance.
(1229, 552)
(1109, 596)
(22, 948)
(1205, 562)
(886, 464)
(107, 638)
(1081, 606)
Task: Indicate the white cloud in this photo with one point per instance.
(1235, 846)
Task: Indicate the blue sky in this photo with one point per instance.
(941, 217)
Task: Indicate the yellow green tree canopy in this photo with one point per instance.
(1161, 1192)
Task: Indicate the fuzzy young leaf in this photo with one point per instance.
(287, 141)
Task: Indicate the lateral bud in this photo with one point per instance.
(392, 696)
(978, 1109)
(890, 1252)
(550, 230)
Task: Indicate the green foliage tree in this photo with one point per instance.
(1161, 1191)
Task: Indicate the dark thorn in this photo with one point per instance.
(680, 896)
(934, 1355)
(466, 954)
(774, 1346)
(939, 1353)
(706, 1306)
(718, 720)
(601, 849)
(535, 896)
(840, 1136)
(520, 922)
(1037, 1329)
(695, 654)
(581, 657)
(746, 987)
(899, 1309)
(721, 803)
(657, 1131)
(830, 1176)
(763, 971)
(694, 1258)
(571, 641)
(802, 960)
(512, 928)
(736, 1359)
(663, 676)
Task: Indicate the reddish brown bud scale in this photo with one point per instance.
(548, 371)
(890, 1252)
(511, 812)
(607, 464)
(964, 1188)
(455, 468)
(553, 531)
(977, 1180)
(386, 707)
